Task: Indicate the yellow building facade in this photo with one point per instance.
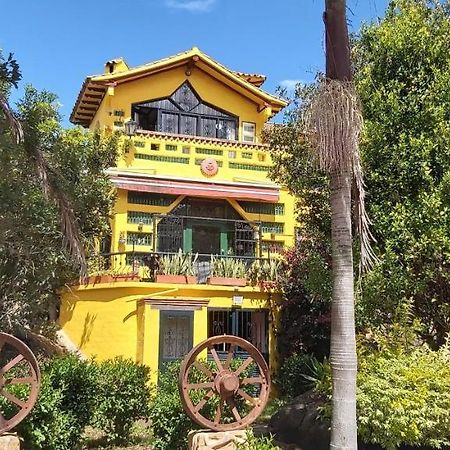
(191, 182)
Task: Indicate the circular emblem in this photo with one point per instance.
(209, 167)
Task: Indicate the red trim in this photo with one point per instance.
(196, 189)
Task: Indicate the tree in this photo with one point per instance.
(24, 133)
(336, 119)
(403, 78)
(33, 261)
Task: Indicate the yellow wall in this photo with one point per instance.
(211, 90)
(163, 84)
(111, 319)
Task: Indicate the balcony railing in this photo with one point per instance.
(146, 266)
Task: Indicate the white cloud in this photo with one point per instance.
(290, 84)
(191, 5)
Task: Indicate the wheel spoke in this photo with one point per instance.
(249, 398)
(24, 380)
(208, 384)
(234, 409)
(216, 359)
(218, 412)
(203, 401)
(11, 364)
(2, 343)
(243, 366)
(253, 380)
(12, 398)
(229, 357)
(198, 365)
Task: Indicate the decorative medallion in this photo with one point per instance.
(209, 167)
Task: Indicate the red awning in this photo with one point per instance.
(197, 189)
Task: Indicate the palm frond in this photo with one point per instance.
(70, 229)
(12, 122)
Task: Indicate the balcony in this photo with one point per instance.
(195, 247)
(184, 268)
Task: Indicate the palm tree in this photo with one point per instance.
(335, 121)
(24, 134)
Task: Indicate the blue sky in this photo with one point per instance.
(59, 42)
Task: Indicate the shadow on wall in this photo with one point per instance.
(87, 329)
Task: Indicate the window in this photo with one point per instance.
(185, 113)
(248, 131)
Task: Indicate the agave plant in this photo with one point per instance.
(266, 270)
(178, 264)
(227, 267)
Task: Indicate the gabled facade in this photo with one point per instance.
(192, 176)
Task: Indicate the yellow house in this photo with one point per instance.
(192, 175)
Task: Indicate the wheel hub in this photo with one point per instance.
(226, 383)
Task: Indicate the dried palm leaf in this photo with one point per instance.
(12, 122)
(334, 120)
(71, 233)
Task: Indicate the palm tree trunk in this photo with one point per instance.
(343, 342)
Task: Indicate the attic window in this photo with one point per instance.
(185, 113)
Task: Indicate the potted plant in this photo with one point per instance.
(178, 268)
(227, 272)
(264, 272)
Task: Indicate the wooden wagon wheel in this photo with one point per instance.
(233, 396)
(19, 371)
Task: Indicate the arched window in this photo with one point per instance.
(185, 113)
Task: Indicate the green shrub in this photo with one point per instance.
(297, 374)
(170, 424)
(405, 398)
(50, 426)
(402, 397)
(122, 397)
(64, 406)
(77, 381)
(258, 443)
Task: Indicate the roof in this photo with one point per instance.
(95, 87)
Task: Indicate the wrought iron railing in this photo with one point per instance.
(146, 265)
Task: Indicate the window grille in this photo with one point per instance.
(233, 165)
(139, 238)
(272, 227)
(146, 198)
(140, 217)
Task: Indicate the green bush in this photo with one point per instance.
(169, 422)
(405, 398)
(64, 406)
(297, 374)
(77, 381)
(258, 443)
(122, 397)
(50, 426)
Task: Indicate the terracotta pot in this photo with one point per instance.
(177, 279)
(225, 281)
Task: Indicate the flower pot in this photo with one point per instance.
(226, 281)
(177, 279)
